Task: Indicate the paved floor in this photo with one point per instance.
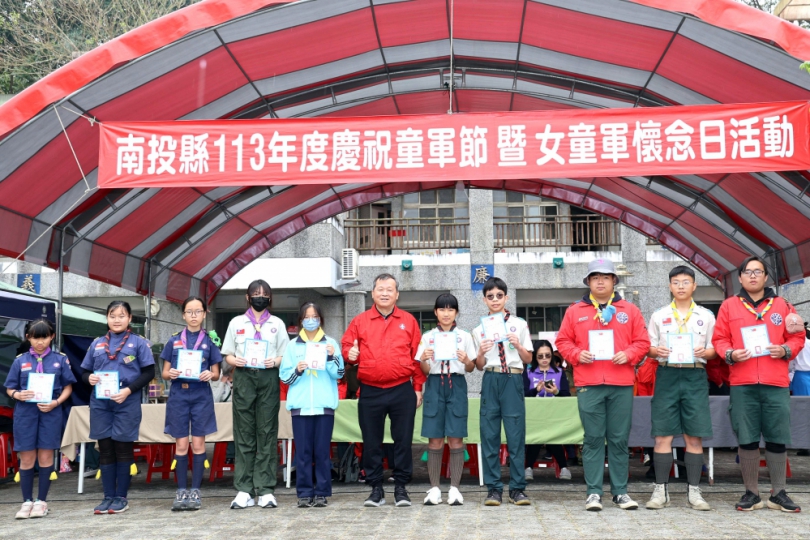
(557, 512)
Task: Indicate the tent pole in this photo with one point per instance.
(60, 288)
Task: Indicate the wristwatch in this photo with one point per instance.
(788, 352)
(729, 360)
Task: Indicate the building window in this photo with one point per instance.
(437, 213)
(523, 218)
(542, 318)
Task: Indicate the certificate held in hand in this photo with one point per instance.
(107, 385)
(681, 348)
(600, 344)
(189, 363)
(256, 353)
(755, 339)
(42, 386)
(494, 327)
(316, 356)
(444, 346)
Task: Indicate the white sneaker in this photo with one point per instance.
(242, 500)
(693, 497)
(40, 509)
(593, 503)
(529, 474)
(25, 510)
(454, 497)
(434, 496)
(565, 474)
(267, 501)
(659, 498)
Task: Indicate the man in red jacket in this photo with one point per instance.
(604, 337)
(383, 342)
(758, 333)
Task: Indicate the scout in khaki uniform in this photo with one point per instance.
(502, 398)
(758, 333)
(255, 396)
(603, 336)
(680, 404)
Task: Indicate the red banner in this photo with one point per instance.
(702, 139)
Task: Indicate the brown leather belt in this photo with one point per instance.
(696, 365)
(498, 370)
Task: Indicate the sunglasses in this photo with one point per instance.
(495, 296)
(544, 355)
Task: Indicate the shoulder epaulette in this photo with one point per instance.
(177, 333)
(19, 355)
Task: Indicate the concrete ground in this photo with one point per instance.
(557, 511)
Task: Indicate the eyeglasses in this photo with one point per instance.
(544, 355)
(195, 313)
(260, 296)
(686, 283)
(756, 272)
(495, 296)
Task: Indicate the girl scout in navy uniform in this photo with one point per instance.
(445, 410)
(38, 425)
(115, 422)
(190, 401)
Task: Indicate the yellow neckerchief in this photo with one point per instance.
(752, 310)
(318, 337)
(596, 307)
(682, 323)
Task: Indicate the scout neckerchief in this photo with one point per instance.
(319, 335)
(257, 324)
(752, 310)
(39, 357)
(106, 342)
(446, 363)
(183, 339)
(682, 323)
(604, 315)
(501, 348)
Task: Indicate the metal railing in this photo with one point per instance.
(407, 233)
(586, 233)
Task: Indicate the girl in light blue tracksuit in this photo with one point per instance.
(311, 366)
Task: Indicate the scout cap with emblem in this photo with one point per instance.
(599, 266)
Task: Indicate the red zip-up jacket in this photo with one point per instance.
(629, 335)
(387, 348)
(732, 317)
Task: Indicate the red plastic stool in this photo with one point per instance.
(8, 457)
(543, 463)
(218, 465)
(164, 453)
(472, 464)
(764, 463)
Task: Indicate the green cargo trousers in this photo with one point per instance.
(255, 429)
(502, 399)
(605, 412)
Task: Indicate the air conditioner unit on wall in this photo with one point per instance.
(348, 265)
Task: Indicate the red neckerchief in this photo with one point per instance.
(446, 363)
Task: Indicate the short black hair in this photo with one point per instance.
(446, 300)
(190, 299)
(495, 283)
(748, 260)
(682, 271)
(39, 329)
(302, 312)
(115, 304)
(260, 285)
(385, 277)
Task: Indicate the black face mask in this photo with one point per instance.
(259, 303)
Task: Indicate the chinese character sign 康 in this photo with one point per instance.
(582, 143)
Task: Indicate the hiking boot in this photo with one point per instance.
(593, 503)
(749, 501)
(377, 497)
(118, 505)
(516, 496)
(104, 507)
(320, 502)
(305, 502)
(434, 496)
(40, 509)
(780, 501)
(25, 510)
(401, 497)
(454, 497)
(659, 498)
(194, 502)
(624, 502)
(565, 474)
(180, 500)
(695, 500)
(494, 498)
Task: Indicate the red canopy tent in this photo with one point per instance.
(249, 59)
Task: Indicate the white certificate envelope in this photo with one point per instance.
(256, 353)
(600, 344)
(755, 339)
(316, 355)
(681, 348)
(42, 385)
(107, 386)
(445, 345)
(189, 363)
(494, 327)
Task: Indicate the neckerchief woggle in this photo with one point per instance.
(604, 315)
(752, 310)
(257, 324)
(318, 337)
(682, 323)
(446, 363)
(39, 357)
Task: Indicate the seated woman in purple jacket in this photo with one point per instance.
(544, 378)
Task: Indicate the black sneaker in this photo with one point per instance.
(361, 476)
(749, 501)
(401, 496)
(377, 497)
(320, 502)
(304, 502)
(494, 498)
(803, 452)
(519, 498)
(782, 502)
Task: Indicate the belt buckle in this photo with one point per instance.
(184, 386)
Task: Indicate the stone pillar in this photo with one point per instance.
(482, 237)
(354, 305)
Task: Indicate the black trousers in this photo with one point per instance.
(399, 404)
